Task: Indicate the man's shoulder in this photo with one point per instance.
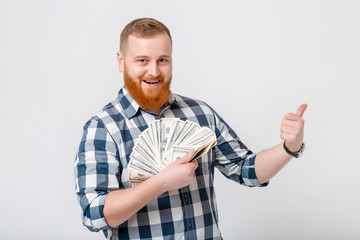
(110, 113)
(184, 101)
(113, 108)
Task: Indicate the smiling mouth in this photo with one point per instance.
(151, 81)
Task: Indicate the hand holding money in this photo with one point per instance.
(179, 173)
(164, 142)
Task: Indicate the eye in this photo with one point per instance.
(142, 60)
(162, 60)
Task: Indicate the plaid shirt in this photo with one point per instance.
(101, 166)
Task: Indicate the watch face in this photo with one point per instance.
(301, 150)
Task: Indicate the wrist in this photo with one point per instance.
(291, 148)
(292, 153)
(159, 183)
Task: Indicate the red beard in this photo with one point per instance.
(152, 99)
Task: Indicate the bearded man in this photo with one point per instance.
(179, 202)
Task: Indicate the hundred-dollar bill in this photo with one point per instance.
(165, 141)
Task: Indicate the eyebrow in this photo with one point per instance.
(161, 56)
(165, 56)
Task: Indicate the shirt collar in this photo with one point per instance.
(131, 107)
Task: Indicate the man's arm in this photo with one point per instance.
(121, 204)
(270, 161)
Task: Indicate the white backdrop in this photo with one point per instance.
(253, 61)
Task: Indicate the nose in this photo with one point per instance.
(154, 69)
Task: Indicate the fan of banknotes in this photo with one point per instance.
(163, 142)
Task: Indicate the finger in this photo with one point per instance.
(295, 126)
(288, 137)
(301, 110)
(287, 129)
(185, 158)
(292, 117)
(193, 164)
(289, 123)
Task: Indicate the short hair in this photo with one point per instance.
(142, 27)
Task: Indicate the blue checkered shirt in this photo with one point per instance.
(101, 166)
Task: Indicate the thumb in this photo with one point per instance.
(301, 110)
(185, 158)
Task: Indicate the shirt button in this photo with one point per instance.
(186, 197)
(190, 227)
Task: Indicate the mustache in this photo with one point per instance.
(159, 78)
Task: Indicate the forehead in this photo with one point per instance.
(158, 44)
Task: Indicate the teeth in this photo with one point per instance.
(152, 81)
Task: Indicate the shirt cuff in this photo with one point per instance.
(93, 217)
(249, 174)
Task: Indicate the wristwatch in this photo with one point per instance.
(295, 154)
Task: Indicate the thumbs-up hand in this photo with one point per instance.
(292, 129)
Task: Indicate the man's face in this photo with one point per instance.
(147, 68)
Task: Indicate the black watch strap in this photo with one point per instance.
(295, 154)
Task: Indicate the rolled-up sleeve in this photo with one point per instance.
(234, 160)
(96, 170)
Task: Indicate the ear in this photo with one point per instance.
(121, 61)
